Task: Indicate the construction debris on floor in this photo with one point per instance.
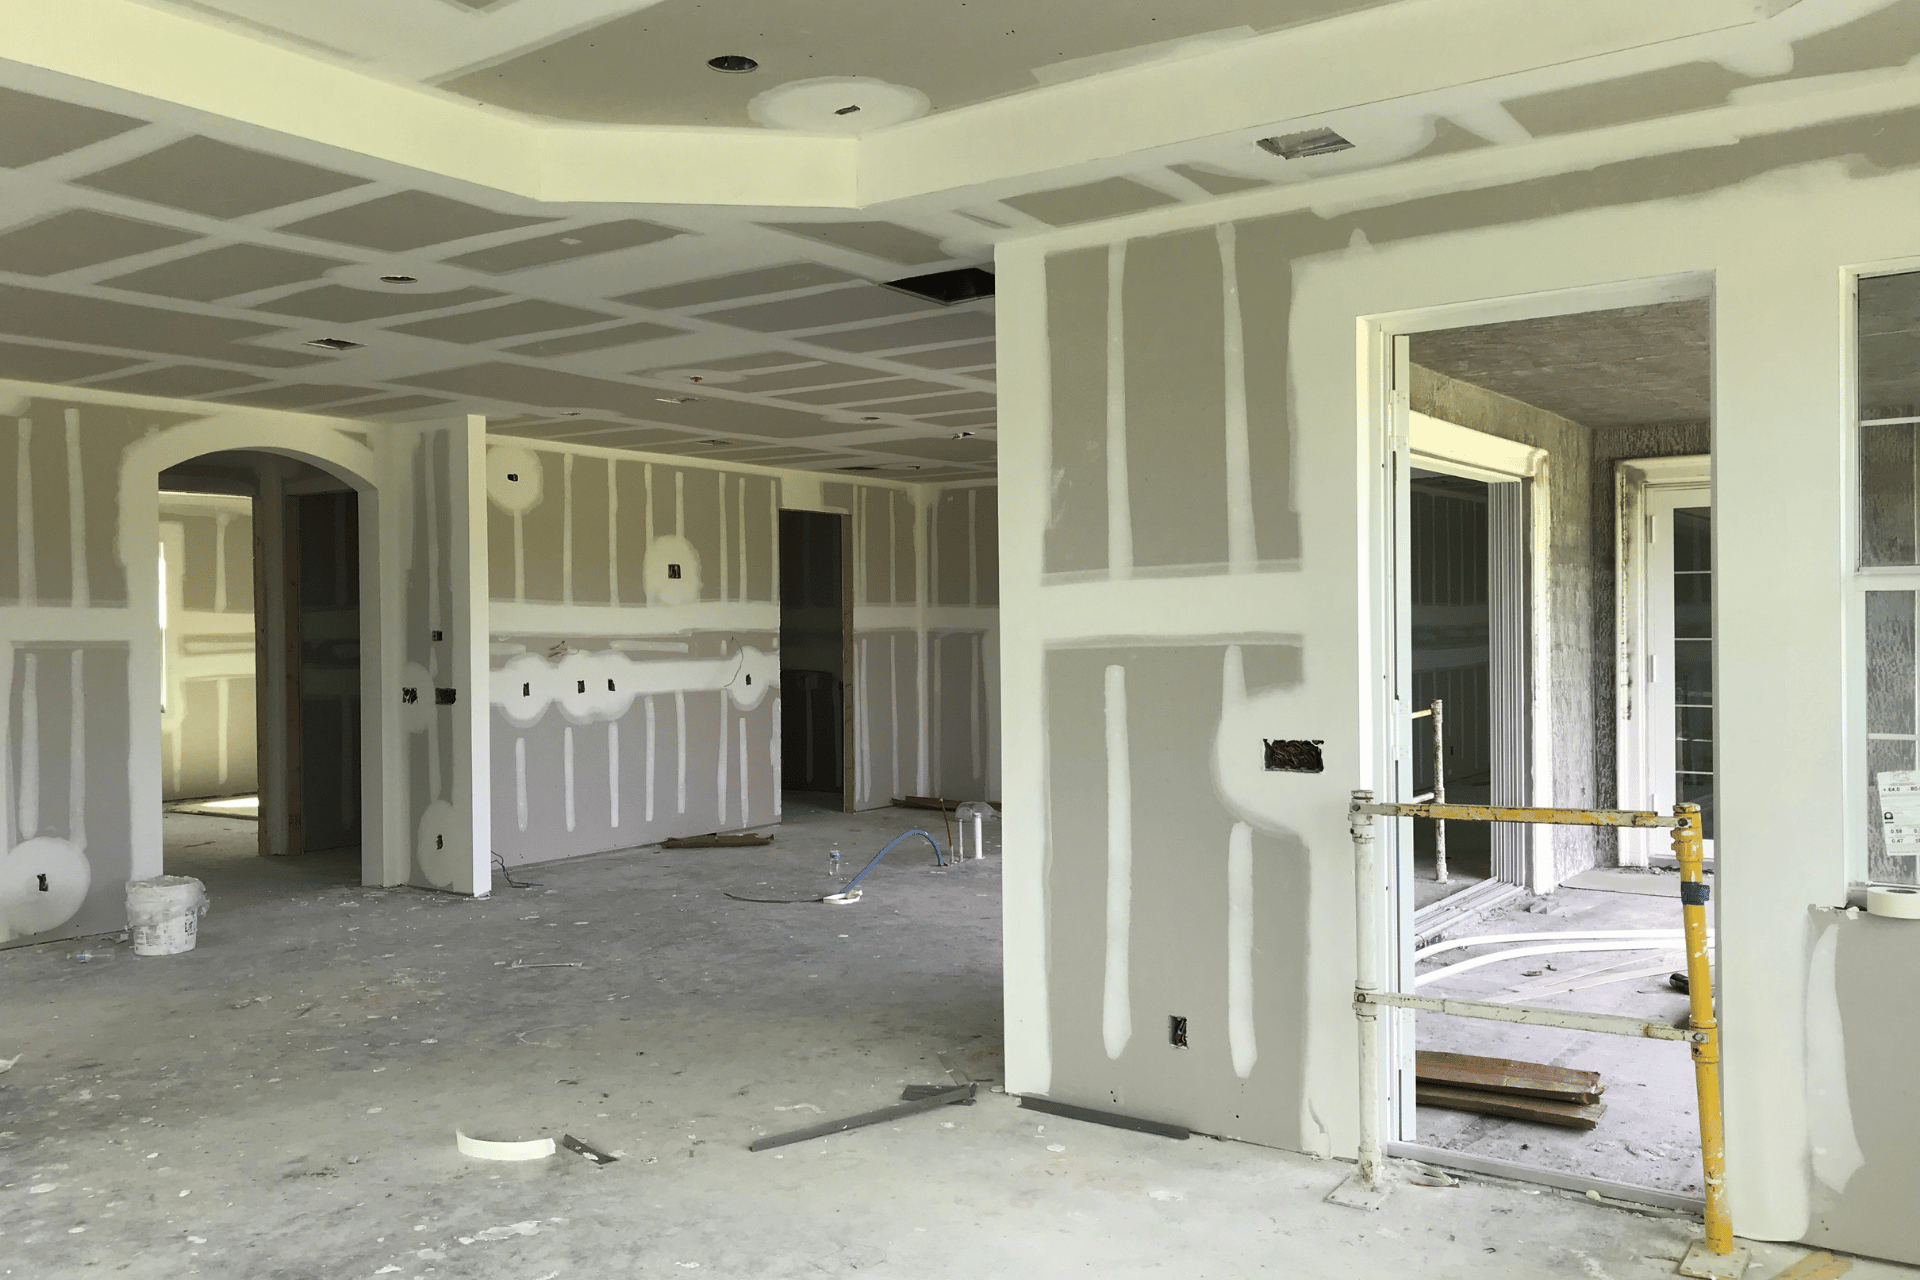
(1505, 1087)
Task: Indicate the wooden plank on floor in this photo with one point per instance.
(1567, 1115)
(1508, 1075)
(732, 840)
(1817, 1266)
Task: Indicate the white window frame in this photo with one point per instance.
(1635, 481)
(1862, 579)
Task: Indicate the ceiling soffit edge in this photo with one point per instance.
(202, 66)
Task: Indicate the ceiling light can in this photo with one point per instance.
(733, 63)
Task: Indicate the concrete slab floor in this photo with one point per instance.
(1649, 1136)
(280, 1103)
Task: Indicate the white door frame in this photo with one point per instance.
(1644, 738)
(1386, 455)
(1437, 445)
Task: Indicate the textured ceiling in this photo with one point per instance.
(1616, 368)
(645, 61)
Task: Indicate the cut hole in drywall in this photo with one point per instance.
(335, 344)
(673, 571)
(733, 63)
(962, 284)
(1294, 756)
(1177, 1031)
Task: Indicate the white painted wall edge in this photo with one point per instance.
(1369, 57)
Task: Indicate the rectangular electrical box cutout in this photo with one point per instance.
(1286, 755)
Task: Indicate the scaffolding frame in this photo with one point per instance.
(1714, 1257)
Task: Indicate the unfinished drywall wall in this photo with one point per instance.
(1675, 215)
(207, 627)
(635, 626)
(82, 755)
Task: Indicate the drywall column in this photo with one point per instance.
(1780, 369)
(438, 676)
(1020, 310)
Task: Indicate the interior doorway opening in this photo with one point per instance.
(816, 653)
(1535, 603)
(261, 748)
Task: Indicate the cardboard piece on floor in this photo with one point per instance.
(1817, 1266)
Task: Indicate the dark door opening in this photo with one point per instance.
(815, 629)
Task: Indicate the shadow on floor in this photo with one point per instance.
(222, 853)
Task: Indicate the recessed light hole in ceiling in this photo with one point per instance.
(397, 279)
(335, 344)
(848, 110)
(733, 63)
(675, 399)
(963, 435)
(1310, 142)
(962, 284)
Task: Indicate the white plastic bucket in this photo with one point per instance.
(163, 914)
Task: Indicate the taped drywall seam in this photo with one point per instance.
(725, 567)
(979, 700)
(566, 770)
(1242, 551)
(773, 748)
(220, 523)
(1836, 1154)
(566, 528)
(1116, 1020)
(1119, 499)
(222, 743)
(520, 782)
(652, 741)
(29, 566)
(973, 547)
(680, 718)
(1240, 1028)
(893, 710)
(746, 787)
(921, 504)
(613, 773)
(77, 514)
(30, 746)
(740, 514)
(519, 557)
(679, 504)
(77, 749)
(720, 757)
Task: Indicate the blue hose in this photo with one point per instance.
(938, 860)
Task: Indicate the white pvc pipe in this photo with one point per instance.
(1482, 940)
(1516, 953)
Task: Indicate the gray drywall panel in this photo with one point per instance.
(1077, 336)
(78, 238)
(987, 539)
(761, 501)
(1176, 960)
(636, 520)
(40, 128)
(905, 515)
(1872, 1110)
(543, 530)
(951, 546)
(76, 690)
(216, 179)
(591, 513)
(499, 552)
(1176, 402)
(703, 495)
(1264, 251)
(52, 505)
(960, 717)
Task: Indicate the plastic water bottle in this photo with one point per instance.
(833, 862)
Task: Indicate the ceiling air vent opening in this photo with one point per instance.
(1298, 146)
(335, 344)
(963, 284)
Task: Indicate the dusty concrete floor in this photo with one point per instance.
(1649, 1135)
(279, 1104)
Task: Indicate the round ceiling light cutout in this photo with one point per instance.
(837, 104)
(733, 63)
(399, 279)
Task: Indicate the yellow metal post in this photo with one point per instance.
(1718, 1245)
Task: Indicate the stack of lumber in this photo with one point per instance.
(1505, 1087)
